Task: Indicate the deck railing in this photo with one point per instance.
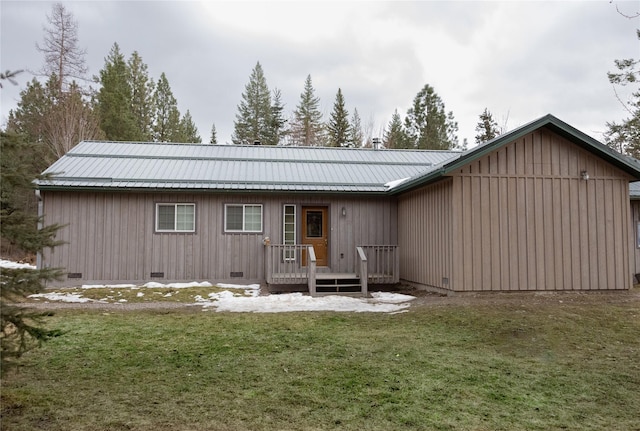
(374, 264)
(284, 264)
(383, 263)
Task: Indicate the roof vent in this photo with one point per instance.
(376, 143)
(256, 142)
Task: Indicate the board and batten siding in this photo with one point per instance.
(110, 236)
(425, 235)
(522, 218)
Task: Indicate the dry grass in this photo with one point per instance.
(552, 366)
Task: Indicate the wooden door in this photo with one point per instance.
(315, 233)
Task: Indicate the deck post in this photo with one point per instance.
(364, 274)
(311, 270)
(268, 267)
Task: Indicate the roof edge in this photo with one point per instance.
(627, 164)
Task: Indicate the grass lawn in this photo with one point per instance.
(554, 366)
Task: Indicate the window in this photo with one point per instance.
(289, 231)
(243, 218)
(638, 234)
(175, 217)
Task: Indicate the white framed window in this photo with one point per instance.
(174, 217)
(243, 218)
(289, 231)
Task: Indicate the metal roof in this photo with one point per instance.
(162, 166)
(634, 190)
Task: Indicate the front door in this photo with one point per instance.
(315, 233)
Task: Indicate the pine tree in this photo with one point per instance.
(114, 100)
(395, 136)
(142, 88)
(188, 130)
(56, 121)
(214, 135)
(487, 127)
(279, 123)
(307, 128)
(22, 328)
(427, 124)
(63, 57)
(338, 129)
(27, 119)
(625, 136)
(254, 120)
(167, 116)
(357, 135)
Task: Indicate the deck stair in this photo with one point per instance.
(328, 283)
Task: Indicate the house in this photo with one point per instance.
(543, 207)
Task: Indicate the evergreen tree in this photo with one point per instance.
(395, 136)
(338, 129)
(279, 123)
(114, 100)
(625, 136)
(307, 128)
(254, 120)
(487, 127)
(21, 328)
(63, 56)
(188, 130)
(167, 116)
(56, 121)
(142, 88)
(33, 106)
(357, 135)
(214, 135)
(427, 124)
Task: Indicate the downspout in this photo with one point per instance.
(40, 225)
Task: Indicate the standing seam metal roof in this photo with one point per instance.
(139, 165)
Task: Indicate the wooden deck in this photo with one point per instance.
(375, 265)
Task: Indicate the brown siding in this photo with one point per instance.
(110, 236)
(523, 219)
(425, 235)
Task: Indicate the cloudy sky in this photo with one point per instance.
(521, 60)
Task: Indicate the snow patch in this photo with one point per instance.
(15, 265)
(290, 302)
(395, 183)
(62, 297)
(154, 284)
(108, 286)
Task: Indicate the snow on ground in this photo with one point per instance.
(251, 301)
(15, 265)
(153, 284)
(61, 297)
(226, 301)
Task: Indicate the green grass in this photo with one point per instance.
(544, 367)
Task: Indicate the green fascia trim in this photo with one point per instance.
(563, 129)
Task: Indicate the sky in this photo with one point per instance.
(520, 60)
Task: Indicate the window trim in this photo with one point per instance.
(244, 220)
(286, 254)
(175, 218)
